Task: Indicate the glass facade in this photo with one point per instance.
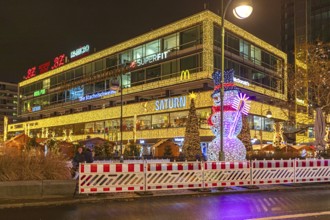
(143, 122)
(156, 60)
(259, 67)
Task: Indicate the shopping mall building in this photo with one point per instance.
(79, 95)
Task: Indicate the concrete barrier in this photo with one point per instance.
(36, 189)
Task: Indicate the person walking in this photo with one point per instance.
(89, 155)
(79, 157)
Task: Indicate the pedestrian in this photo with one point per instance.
(79, 157)
(89, 155)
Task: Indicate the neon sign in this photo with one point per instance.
(39, 92)
(57, 62)
(185, 74)
(96, 95)
(79, 52)
(243, 82)
(149, 59)
(179, 139)
(178, 102)
(36, 108)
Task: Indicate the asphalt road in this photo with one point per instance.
(298, 204)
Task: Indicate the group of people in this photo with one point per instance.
(81, 157)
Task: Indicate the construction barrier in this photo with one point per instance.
(164, 176)
(101, 178)
(126, 177)
(312, 171)
(220, 174)
(272, 172)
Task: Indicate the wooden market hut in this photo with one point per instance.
(159, 148)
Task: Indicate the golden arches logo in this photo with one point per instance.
(185, 74)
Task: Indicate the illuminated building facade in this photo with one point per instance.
(156, 72)
(8, 104)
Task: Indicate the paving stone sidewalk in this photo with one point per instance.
(128, 196)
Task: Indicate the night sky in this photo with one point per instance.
(34, 32)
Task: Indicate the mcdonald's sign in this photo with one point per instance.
(185, 74)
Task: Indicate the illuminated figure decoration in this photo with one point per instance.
(235, 104)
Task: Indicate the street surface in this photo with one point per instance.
(298, 204)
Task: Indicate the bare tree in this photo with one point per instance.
(310, 79)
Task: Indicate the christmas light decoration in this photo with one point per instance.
(235, 104)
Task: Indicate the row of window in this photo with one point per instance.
(248, 51)
(111, 128)
(142, 55)
(146, 122)
(166, 70)
(244, 72)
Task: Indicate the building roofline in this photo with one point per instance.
(151, 35)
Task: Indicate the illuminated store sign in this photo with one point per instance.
(185, 74)
(80, 51)
(178, 102)
(243, 82)
(76, 93)
(58, 61)
(39, 92)
(96, 95)
(181, 139)
(149, 59)
(36, 108)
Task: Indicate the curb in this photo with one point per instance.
(85, 198)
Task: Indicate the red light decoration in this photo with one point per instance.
(44, 67)
(58, 61)
(31, 73)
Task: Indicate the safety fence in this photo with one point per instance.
(135, 177)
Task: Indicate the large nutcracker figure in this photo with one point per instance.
(235, 104)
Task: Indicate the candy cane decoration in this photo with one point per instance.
(242, 105)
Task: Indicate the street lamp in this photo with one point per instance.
(242, 9)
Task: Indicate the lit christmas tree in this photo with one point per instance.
(191, 145)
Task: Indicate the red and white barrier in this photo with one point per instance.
(125, 177)
(220, 174)
(164, 176)
(272, 172)
(100, 178)
(312, 171)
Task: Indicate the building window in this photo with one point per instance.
(169, 69)
(143, 122)
(171, 42)
(160, 121)
(189, 63)
(137, 77)
(178, 119)
(153, 74)
(189, 38)
(153, 47)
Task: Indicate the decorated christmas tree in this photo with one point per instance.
(191, 145)
(245, 135)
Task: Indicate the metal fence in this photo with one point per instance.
(146, 176)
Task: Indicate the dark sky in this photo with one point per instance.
(35, 31)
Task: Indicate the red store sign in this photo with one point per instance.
(58, 61)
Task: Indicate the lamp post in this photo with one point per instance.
(242, 9)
